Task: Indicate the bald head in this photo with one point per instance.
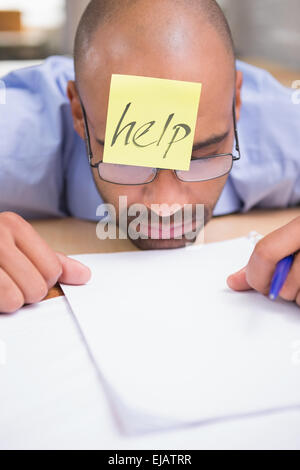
(103, 12)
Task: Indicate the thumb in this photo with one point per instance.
(73, 272)
(238, 281)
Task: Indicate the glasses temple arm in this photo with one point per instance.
(87, 135)
(237, 143)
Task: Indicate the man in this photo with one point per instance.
(43, 171)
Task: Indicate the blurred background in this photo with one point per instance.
(266, 32)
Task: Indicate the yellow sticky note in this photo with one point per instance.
(151, 122)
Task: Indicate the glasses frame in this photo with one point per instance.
(157, 170)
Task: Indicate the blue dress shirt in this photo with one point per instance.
(44, 171)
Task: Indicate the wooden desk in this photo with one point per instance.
(73, 236)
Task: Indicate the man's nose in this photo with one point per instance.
(166, 189)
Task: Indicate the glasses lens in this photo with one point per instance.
(125, 174)
(205, 169)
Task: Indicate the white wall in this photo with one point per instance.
(268, 29)
(37, 13)
(74, 10)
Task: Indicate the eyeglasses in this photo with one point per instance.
(201, 169)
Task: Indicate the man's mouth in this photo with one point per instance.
(168, 231)
(184, 225)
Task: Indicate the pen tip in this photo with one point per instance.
(272, 297)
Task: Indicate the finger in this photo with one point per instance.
(11, 298)
(282, 242)
(35, 249)
(24, 274)
(268, 252)
(291, 287)
(260, 270)
(238, 281)
(73, 272)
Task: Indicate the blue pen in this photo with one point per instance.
(280, 275)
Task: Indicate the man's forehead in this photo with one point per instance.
(204, 61)
(215, 104)
(182, 50)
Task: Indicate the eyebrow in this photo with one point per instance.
(216, 139)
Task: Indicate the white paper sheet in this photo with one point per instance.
(174, 345)
(50, 394)
(51, 398)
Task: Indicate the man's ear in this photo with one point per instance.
(76, 108)
(238, 89)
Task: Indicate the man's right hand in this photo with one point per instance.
(29, 267)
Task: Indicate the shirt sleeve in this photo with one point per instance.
(36, 135)
(268, 174)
